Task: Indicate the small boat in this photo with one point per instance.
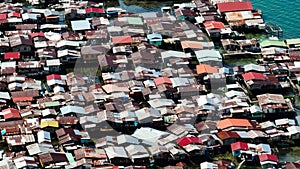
(114, 12)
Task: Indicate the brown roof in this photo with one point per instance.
(53, 157)
(71, 36)
(20, 40)
(46, 51)
(94, 50)
(271, 101)
(67, 120)
(8, 124)
(66, 134)
(227, 134)
(106, 60)
(26, 26)
(96, 34)
(206, 125)
(26, 93)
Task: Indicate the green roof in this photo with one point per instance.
(135, 21)
(70, 157)
(52, 104)
(274, 43)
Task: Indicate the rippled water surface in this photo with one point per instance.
(282, 12)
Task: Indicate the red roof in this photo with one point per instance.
(11, 55)
(234, 6)
(53, 76)
(227, 123)
(214, 25)
(3, 16)
(36, 34)
(94, 10)
(239, 146)
(253, 76)
(268, 157)
(188, 140)
(14, 14)
(121, 39)
(162, 80)
(11, 113)
(22, 99)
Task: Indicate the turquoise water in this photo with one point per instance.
(285, 13)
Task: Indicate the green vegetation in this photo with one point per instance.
(289, 153)
(111, 3)
(239, 61)
(227, 156)
(256, 36)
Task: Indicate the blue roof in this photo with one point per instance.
(154, 36)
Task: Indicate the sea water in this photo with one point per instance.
(284, 13)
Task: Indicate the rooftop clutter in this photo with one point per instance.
(135, 90)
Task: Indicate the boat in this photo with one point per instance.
(114, 12)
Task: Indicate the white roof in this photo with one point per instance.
(233, 86)
(135, 150)
(5, 95)
(37, 148)
(25, 161)
(44, 136)
(267, 124)
(69, 53)
(251, 66)
(32, 16)
(115, 151)
(52, 36)
(264, 148)
(114, 29)
(72, 109)
(180, 81)
(285, 121)
(14, 84)
(145, 113)
(8, 64)
(80, 25)
(53, 26)
(149, 135)
(203, 100)
(35, 10)
(156, 103)
(233, 93)
(256, 133)
(171, 53)
(127, 139)
(69, 43)
(53, 62)
(58, 89)
(254, 109)
(293, 130)
(14, 20)
(243, 134)
(211, 54)
(292, 41)
(208, 165)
